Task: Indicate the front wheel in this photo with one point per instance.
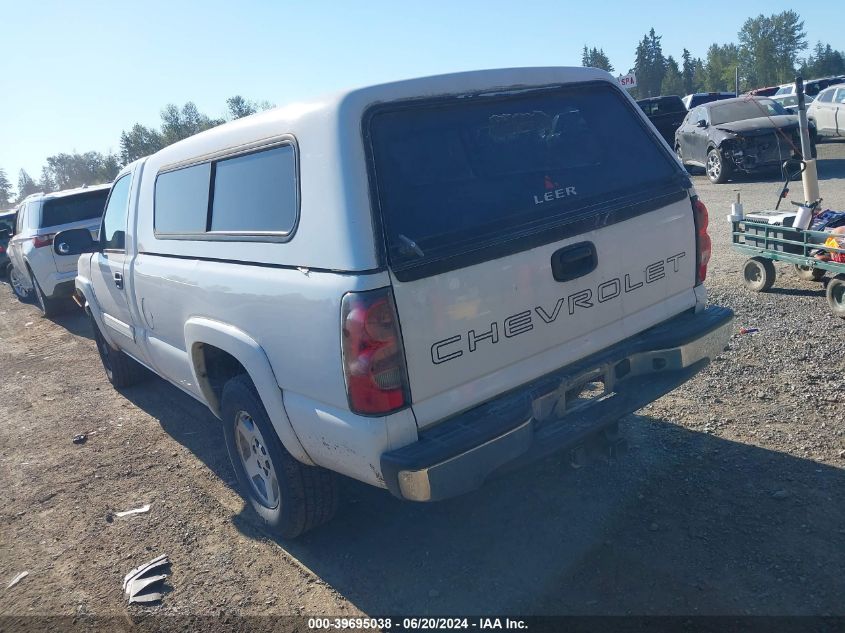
(121, 370)
(717, 169)
(758, 274)
(835, 295)
(290, 497)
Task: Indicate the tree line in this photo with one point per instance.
(66, 171)
(766, 54)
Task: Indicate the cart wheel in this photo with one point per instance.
(808, 273)
(836, 295)
(759, 274)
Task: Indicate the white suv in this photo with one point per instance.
(414, 284)
(37, 271)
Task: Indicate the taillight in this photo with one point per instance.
(2, 249)
(43, 240)
(702, 239)
(373, 358)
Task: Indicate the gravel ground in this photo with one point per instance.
(731, 499)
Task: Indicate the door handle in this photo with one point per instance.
(577, 260)
(118, 280)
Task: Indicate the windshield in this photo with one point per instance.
(742, 110)
(455, 176)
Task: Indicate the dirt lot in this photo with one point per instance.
(731, 499)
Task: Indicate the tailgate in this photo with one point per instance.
(525, 232)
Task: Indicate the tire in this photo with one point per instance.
(809, 274)
(288, 496)
(18, 282)
(121, 370)
(835, 295)
(758, 274)
(717, 169)
(49, 307)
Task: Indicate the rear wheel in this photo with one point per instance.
(758, 274)
(836, 295)
(21, 285)
(808, 273)
(290, 497)
(121, 370)
(717, 169)
(49, 307)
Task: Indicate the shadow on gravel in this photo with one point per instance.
(75, 321)
(685, 523)
(817, 291)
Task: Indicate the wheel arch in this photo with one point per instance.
(218, 350)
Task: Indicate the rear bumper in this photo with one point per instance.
(458, 454)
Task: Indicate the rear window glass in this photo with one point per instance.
(255, 193)
(459, 175)
(7, 222)
(74, 208)
(181, 200)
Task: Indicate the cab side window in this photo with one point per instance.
(113, 231)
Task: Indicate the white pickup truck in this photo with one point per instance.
(415, 284)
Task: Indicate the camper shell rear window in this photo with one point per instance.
(458, 181)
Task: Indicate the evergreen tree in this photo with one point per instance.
(26, 185)
(5, 191)
(596, 58)
(673, 80)
(650, 65)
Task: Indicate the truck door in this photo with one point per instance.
(108, 268)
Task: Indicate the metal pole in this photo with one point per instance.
(736, 81)
(809, 177)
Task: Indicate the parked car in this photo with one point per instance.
(812, 87)
(666, 113)
(7, 225)
(790, 102)
(700, 98)
(746, 134)
(763, 92)
(265, 266)
(827, 112)
(37, 270)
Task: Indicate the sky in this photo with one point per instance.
(75, 74)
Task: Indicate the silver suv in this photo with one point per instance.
(37, 271)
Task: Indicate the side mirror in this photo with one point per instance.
(74, 242)
(701, 123)
(5, 234)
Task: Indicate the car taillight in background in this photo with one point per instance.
(702, 240)
(40, 241)
(2, 249)
(373, 357)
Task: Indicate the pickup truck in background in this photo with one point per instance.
(415, 284)
(666, 113)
